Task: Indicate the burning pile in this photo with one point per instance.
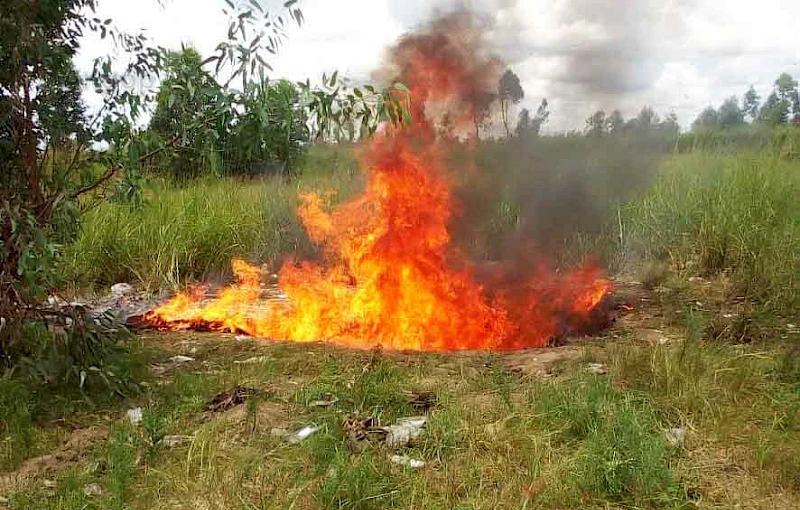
(391, 275)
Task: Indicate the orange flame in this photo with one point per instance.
(392, 277)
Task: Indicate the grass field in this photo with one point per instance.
(707, 254)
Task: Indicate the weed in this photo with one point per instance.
(16, 421)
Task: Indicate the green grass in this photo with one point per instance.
(497, 439)
(192, 232)
(724, 213)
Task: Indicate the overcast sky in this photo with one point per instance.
(674, 55)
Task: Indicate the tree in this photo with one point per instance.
(189, 92)
(783, 104)
(597, 123)
(647, 118)
(533, 126)
(509, 92)
(729, 114)
(751, 103)
(670, 123)
(270, 134)
(41, 196)
(616, 122)
(708, 119)
(524, 122)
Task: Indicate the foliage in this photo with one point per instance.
(188, 93)
(52, 175)
(783, 104)
(527, 125)
(509, 92)
(270, 134)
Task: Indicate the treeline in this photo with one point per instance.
(782, 107)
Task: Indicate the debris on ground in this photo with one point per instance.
(228, 399)
(422, 400)
(252, 361)
(359, 432)
(135, 415)
(93, 489)
(676, 436)
(362, 432)
(405, 431)
(406, 461)
(49, 484)
(295, 437)
(119, 290)
(181, 359)
(176, 440)
(327, 400)
(596, 368)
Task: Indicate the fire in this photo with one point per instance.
(391, 275)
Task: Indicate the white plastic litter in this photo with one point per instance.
(405, 460)
(120, 290)
(405, 431)
(596, 368)
(181, 359)
(252, 361)
(93, 489)
(676, 435)
(135, 415)
(295, 437)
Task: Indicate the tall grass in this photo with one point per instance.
(183, 233)
(722, 210)
(725, 212)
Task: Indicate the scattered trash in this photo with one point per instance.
(405, 460)
(405, 431)
(56, 302)
(181, 359)
(93, 489)
(421, 400)
(596, 368)
(252, 361)
(135, 415)
(328, 400)
(157, 370)
(676, 436)
(295, 437)
(49, 484)
(242, 338)
(360, 431)
(121, 290)
(791, 326)
(173, 441)
(228, 399)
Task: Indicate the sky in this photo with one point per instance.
(582, 55)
